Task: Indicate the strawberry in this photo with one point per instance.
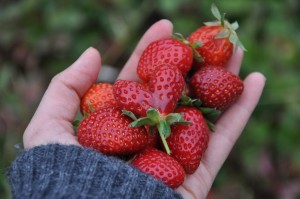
(164, 90)
(153, 137)
(166, 85)
(216, 87)
(160, 165)
(217, 39)
(214, 51)
(152, 105)
(98, 96)
(172, 51)
(132, 96)
(188, 142)
(107, 130)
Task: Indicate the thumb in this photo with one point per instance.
(61, 100)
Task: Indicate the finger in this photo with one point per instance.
(232, 123)
(61, 100)
(160, 29)
(234, 63)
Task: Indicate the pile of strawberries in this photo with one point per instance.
(161, 124)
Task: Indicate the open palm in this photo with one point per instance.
(52, 122)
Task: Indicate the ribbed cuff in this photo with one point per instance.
(60, 171)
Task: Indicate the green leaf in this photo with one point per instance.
(91, 107)
(212, 23)
(85, 115)
(223, 34)
(233, 39)
(239, 44)
(215, 11)
(129, 114)
(142, 122)
(207, 110)
(197, 103)
(186, 100)
(210, 125)
(197, 56)
(197, 44)
(152, 130)
(153, 114)
(176, 118)
(210, 113)
(234, 26)
(179, 36)
(76, 123)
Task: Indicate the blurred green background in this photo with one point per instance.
(41, 38)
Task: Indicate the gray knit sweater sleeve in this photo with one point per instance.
(59, 171)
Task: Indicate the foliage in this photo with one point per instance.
(40, 38)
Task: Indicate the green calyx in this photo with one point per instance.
(162, 123)
(228, 30)
(193, 46)
(210, 114)
(91, 108)
(76, 123)
(180, 38)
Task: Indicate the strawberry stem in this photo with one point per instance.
(164, 130)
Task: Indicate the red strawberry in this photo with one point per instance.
(216, 87)
(218, 39)
(132, 96)
(160, 165)
(107, 130)
(214, 51)
(166, 85)
(164, 90)
(98, 96)
(188, 142)
(153, 106)
(167, 50)
(153, 137)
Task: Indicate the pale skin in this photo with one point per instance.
(52, 121)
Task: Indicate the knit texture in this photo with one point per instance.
(59, 171)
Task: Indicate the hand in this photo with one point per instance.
(52, 122)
